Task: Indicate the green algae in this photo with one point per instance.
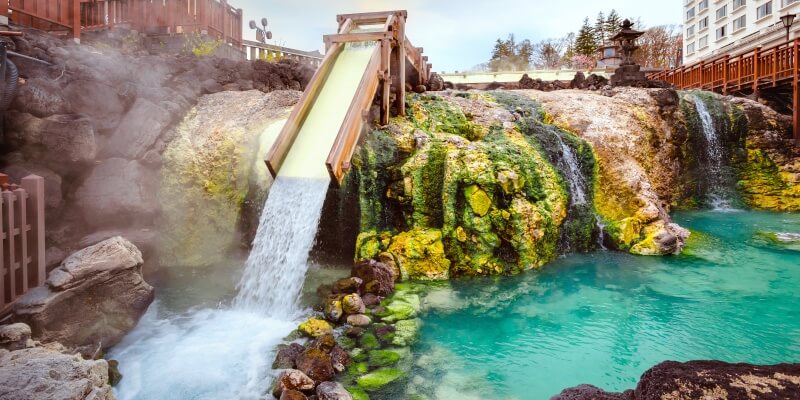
(379, 378)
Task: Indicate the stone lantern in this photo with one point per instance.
(629, 73)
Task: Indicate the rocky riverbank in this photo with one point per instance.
(477, 183)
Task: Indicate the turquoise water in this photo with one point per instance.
(606, 317)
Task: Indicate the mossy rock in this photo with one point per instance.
(368, 341)
(400, 308)
(315, 327)
(357, 393)
(777, 240)
(406, 332)
(358, 355)
(379, 378)
(420, 254)
(383, 358)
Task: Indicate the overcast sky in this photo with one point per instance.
(456, 35)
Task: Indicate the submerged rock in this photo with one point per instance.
(778, 240)
(316, 364)
(379, 378)
(287, 355)
(93, 299)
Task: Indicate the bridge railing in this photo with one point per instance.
(214, 17)
(22, 259)
(752, 70)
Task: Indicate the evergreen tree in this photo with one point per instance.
(524, 55)
(613, 22)
(600, 32)
(501, 55)
(585, 43)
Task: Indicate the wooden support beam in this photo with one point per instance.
(357, 37)
(401, 73)
(371, 17)
(796, 93)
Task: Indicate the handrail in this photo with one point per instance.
(347, 138)
(277, 153)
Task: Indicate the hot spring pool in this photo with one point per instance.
(605, 318)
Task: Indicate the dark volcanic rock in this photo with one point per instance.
(719, 380)
(316, 364)
(347, 285)
(579, 81)
(589, 392)
(292, 395)
(526, 82)
(378, 277)
(435, 82)
(286, 356)
(708, 380)
(339, 359)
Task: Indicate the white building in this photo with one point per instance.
(716, 27)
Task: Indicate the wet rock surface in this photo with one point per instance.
(92, 300)
(710, 380)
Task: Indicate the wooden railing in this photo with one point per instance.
(22, 259)
(753, 72)
(213, 17)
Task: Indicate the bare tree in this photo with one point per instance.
(659, 47)
(548, 53)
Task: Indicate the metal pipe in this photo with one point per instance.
(15, 54)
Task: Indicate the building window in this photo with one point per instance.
(722, 12)
(690, 32)
(703, 42)
(722, 32)
(739, 23)
(703, 24)
(785, 3)
(690, 14)
(764, 10)
(740, 3)
(702, 5)
(690, 48)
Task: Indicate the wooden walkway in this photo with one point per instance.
(756, 72)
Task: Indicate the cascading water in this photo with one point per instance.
(277, 264)
(225, 352)
(572, 169)
(717, 174)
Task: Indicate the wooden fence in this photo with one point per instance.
(772, 69)
(215, 18)
(22, 259)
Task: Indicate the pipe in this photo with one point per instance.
(11, 85)
(15, 54)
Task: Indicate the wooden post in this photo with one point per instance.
(727, 65)
(401, 71)
(3, 235)
(795, 94)
(386, 54)
(11, 259)
(24, 229)
(34, 187)
(755, 71)
(76, 20)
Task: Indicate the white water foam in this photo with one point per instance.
(226, 353)
(572, 170)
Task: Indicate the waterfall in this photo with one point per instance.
(571, 167)
(718, 179)
(275, 270)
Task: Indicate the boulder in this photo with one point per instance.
(370, 299)
(143, 238)
(292, 379)
(325, 343)
(138, 130)
(332, 391)
(378, 278)
(358, 320)
(40, 373)
(286, 356)
(348, 285)
(333, 309)
(589, 392)
(315, 327)
(526, 82)
(15, 336)
(352, 304)
(339, 359)
(93, 299)
(316, 364)
(435, 82)
(99, 102)
(579, 81)
(118, 191)
(292, 395)
(58, 140)
(41, 97)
